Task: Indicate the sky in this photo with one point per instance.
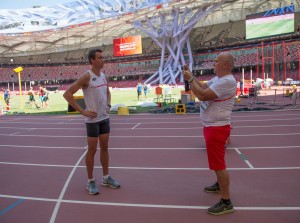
(21, 4)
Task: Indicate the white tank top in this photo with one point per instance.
(95, 97)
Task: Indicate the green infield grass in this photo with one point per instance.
(58, 105)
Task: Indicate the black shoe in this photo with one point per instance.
(221, 208)
(215, 188)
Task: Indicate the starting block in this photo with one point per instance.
(180, 109)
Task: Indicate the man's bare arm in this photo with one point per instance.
(82, 82)
(202, 94)
(201, 90)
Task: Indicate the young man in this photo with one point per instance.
(217, 99)
(31, 98)
(41, 96)
(97, 100)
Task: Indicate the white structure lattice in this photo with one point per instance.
(170, 31)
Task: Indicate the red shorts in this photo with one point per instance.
(215, 138)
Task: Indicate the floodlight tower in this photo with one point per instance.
(18, 70)
(170, 31)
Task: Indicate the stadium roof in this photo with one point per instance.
(89, 23)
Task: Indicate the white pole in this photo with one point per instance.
(243, 79)
(251, 77)
(8, 86)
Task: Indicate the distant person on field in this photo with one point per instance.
(31, 97)
(97, 99)
(139, 89)
(145, 90)
(46, 98)
(242, 87)
(41, 96)
(6, 96)
(294, 98)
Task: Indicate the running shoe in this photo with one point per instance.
(215, 188)
(92, 188)
(221, 208)
(110, 182)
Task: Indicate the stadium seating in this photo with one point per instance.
(64, 68)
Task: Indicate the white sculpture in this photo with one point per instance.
(170, 31)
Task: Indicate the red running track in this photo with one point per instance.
(161, 162)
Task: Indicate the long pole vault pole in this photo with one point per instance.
(299, 62)
(257, 62)
(262, 61)
(273, 61)
(284, 60)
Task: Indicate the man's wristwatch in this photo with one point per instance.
(191, 80)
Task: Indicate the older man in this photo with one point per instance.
(217, 99)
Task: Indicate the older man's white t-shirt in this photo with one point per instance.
(217, 112)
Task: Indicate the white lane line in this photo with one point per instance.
(144, 148)
(150, 168)
(46, 136)
(171, 121)
(43, 123)
(43, 147)
(264, 120)
(155, 128)
(54, 214)
(264, 126)
(269, 147)
(152, 136)
(37, 164)
(136, 126)
(35, 128)
(31, 129)
(14, 134)
(244, 158)
(148, 205)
